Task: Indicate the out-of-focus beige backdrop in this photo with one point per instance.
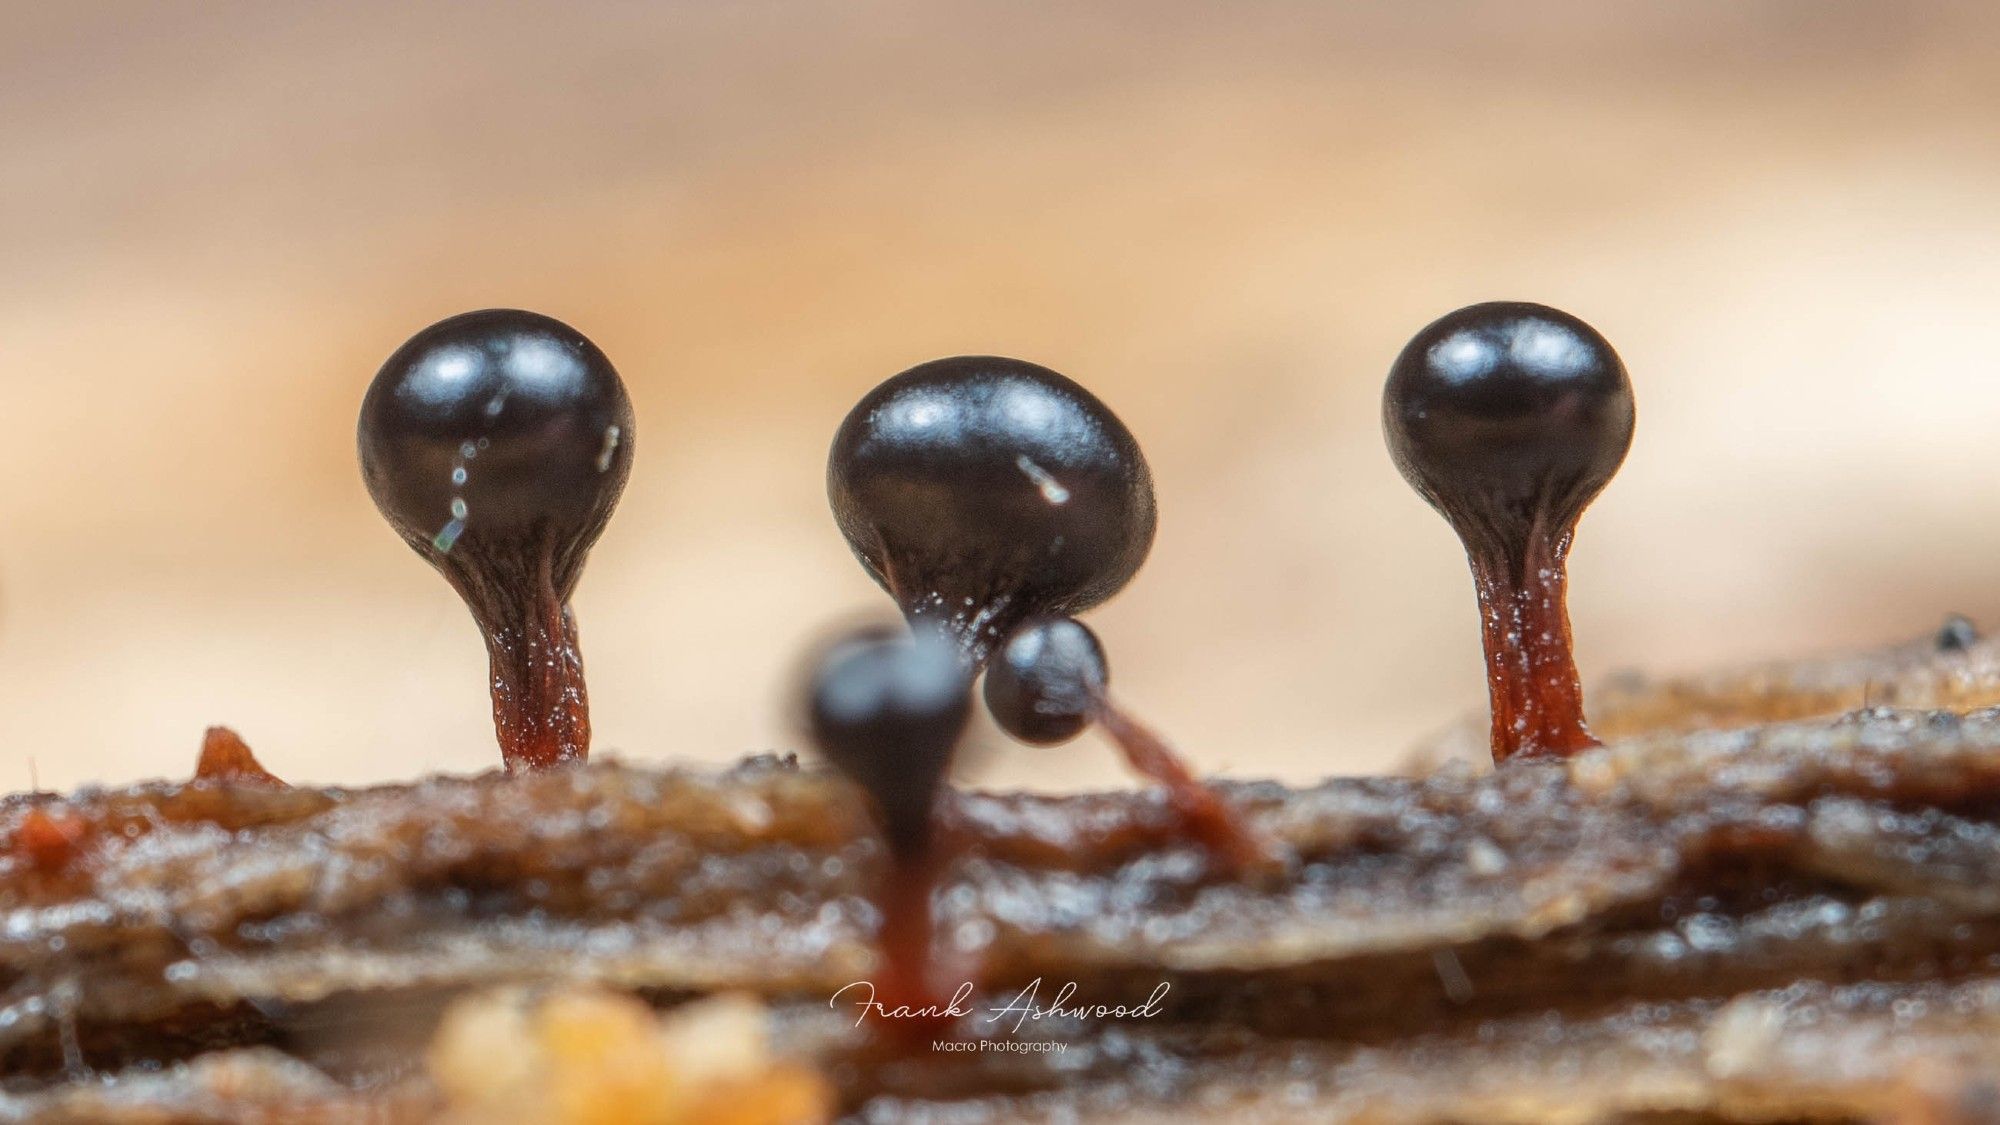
(217, 219)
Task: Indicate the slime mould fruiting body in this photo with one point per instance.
(1509, 418)
(994, 499)
(496, 443)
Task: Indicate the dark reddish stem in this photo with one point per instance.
(1209, 818)
(909, 969)
(541, 711)
(1531, 675)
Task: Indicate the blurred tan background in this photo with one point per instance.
(216, 220)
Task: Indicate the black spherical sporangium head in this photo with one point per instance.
(887, 709)
(980, 489)
(1506, 413)
(494, 429)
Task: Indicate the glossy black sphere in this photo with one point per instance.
(979, 489)
(887, 710)
(1046, 680)
(1506, 413)
(497, 428)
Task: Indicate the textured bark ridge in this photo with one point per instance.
(1796, 920)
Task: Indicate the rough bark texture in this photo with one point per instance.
(1798, 920)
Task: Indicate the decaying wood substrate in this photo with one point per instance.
(1773, 921)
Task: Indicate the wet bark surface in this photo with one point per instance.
(1798, 919)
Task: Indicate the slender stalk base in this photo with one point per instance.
(541, 710)
(1209, 818)
(1531, 680)
(909, 968)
